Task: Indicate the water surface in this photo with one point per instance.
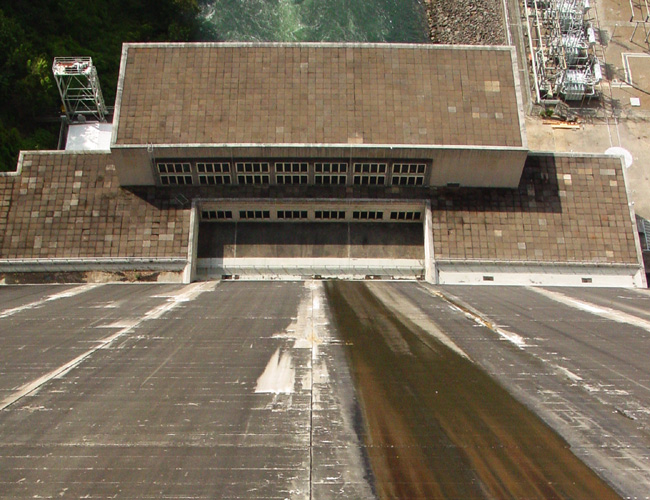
(316, 20)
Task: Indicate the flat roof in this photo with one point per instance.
(568, 208)
(317, 93)
(89, 137)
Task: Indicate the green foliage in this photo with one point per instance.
(33, 32)
(10, 142)
(546, 113)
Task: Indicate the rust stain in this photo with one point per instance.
(437, 426)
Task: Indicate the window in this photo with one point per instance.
(330, 173)
(329, 214)
(254, 214)
(253, 179)
(291, 167)
(370, 168)
(175, 173)
(405, 215)
(330, 179)
(216, 214)
(409, 168)
(211, 174)
(292, 214)
(408, 174)
(291, 172)
(330, 168)
(367, 215)
(291, 179)
(369, 174)
(253, 173)
(252, 167)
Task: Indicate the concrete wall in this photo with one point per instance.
(470, 166)
(478, 167)
(299, 268)
(531, 273)
(133, 166)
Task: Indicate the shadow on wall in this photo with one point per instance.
(311, 240)
(538, 191)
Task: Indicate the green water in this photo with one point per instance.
(316, 20)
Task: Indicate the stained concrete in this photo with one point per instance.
(585, 374)
(171, 408)
(171, 394)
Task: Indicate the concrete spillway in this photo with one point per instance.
(437, 426)
(323, 390)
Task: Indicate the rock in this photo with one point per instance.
(481, 22)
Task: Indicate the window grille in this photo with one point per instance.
(367, 215)
(216, 214)
(175, 173)
(405, 215)
(329, 214)
(292, 214)
(369, 174)
(291, 179)
(254, 214)
(291, 167)
(213, 173)
(408, 174)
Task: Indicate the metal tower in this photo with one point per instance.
(78, 84)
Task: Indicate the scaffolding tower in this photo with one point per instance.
(561, 41)
(78, 84)
(643, 20)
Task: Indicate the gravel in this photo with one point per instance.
(466, 22)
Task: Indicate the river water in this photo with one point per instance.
(316, 20)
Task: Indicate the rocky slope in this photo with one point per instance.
(470, 22)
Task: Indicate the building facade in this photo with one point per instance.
(267, 160)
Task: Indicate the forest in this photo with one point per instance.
(33, 32)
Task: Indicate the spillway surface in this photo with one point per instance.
(322, 390)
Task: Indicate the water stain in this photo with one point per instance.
(436, 426)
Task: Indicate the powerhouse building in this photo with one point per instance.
(313, 159)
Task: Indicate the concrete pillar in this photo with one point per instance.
(430, 271)
(189, 273)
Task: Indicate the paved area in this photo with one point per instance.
(248, 390)
(579, 359)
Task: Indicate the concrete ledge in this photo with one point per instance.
(297, 268)
(539, 273)
(107, 264)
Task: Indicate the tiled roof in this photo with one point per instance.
(566, 209)
(65, 205)
(318, 94)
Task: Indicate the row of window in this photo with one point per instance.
(326, 173)
(302, 214)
